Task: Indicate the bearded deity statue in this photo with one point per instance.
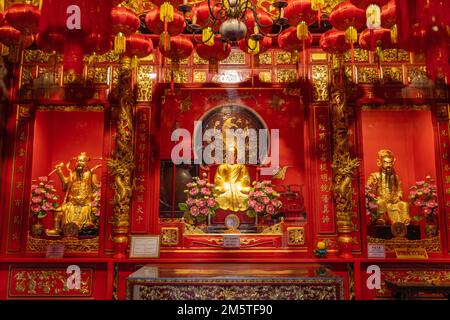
(385, 184)
(232, 182)
(77, 208)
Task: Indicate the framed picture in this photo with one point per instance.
(144, 246)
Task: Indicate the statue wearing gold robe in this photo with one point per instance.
(79, 187)
(387, 188)
(232, 184)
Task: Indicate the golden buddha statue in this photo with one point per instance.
(232, 183)
(386, 186)
(79, 188)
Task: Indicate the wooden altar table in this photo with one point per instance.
(278, 281)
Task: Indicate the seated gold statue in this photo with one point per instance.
(386, 185)
(79, 187)
(232, 184)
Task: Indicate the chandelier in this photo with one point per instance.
(227, 18)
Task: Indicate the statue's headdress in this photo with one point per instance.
(385, 153)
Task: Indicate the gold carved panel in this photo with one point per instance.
(265, 58)
(169, 236)
(287, 75)
(367, 75)
(393, 74)
(320, 82)
(393, 55)
(37, 56)
(361, 55)
(235, 57)
(98, 75)
(295, 236)
(179, 76)
(27, 75)
(181, 62)
(286, 57)
(199, 76)
(144, 84)
(265, 76)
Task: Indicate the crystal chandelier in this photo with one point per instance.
(231, 15)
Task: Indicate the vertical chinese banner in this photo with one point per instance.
(444, 154)
(140, 208)
(19, 171)
(322, 134)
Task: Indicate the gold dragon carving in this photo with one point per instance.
(344, 166)
(121, 165)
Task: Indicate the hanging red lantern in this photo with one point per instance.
(265, 21)
(333, 42)
(201, 16)
(23, 17)
(299, 13)
(138, 46)
(11, 37)
(123, 23)
(250, 47)
(164, 29)
(180, 48)
(288, 41)
(389, 19)
(50, 42)
(346, 17)
(381, 38)
(213, 54)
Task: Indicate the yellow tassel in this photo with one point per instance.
(208, 36)
(120, 43)
(2, 5)
(253, 46)
(134, 62)
(302, 31)
(164, 39)
(317, 4)
(166, 12)
(351, 35)
(40, 4)
(394, 34)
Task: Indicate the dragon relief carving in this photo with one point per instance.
(121, 165)
(344, 166)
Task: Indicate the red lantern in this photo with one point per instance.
(264, 20)
(363, 4)
(180, 48)
(98, 43)
(333, 42)
(201, 15)
(24, 17)
(138, 46)
(299, 13)
(264, 45)
(124, 23)
(213, 54)
(346, 17)
(373, 11)
(10, 37)
(288, 41)
(50, 42)
(155, 25)
(381, 38)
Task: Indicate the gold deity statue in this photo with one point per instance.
(386, 186)
(79, 189)
(232, 183)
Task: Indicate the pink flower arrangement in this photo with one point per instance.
(423, 195)
(263, 200)
(200, 202)
(43, 197)
(371, 205)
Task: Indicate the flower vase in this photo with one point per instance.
(431, 228)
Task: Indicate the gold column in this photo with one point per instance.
(121, 165)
